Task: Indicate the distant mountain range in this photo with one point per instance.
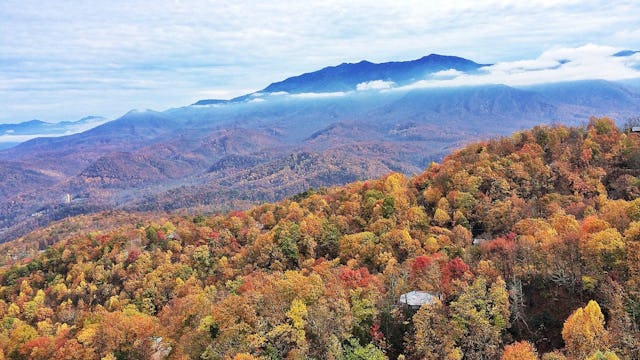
(13, 134)
(329, 127)
(626, 53)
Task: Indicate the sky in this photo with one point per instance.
(63, 60)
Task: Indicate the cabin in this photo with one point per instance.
(414, 299)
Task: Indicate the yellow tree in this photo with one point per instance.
(481, 314)
(434, 336)
(604, 250)
(298, 316)
(583, 331)
(289, 338)
(441, 218)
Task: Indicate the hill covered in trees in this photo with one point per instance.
(530, 245)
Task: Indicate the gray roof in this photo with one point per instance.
(417, 298)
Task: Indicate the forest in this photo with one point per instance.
(529, 246)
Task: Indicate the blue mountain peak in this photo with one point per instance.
(625, 53)
(346, 76)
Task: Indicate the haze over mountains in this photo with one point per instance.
(14, 134)
(332, 126)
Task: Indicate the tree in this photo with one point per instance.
(289, 338)
(128, 334)
(298, 316)
(286, 239)
(39, 348)
(604, 250)
(434, 337)
(521, 350)
(481, 314)
(440, 217)
(583, 331)
(425, 272)
(363, 246)
(355, 351)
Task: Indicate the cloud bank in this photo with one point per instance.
(375, 85)
(50, 130)
(556, 65)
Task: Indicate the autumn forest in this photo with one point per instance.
(528, 246)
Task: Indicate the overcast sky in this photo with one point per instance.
(62, 60)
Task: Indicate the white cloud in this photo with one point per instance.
(375, 85)
(77, 128)
(556, 65)
(10, 137)
(633, 60)
(318, 95)
(445, 74)
(278, 93)
(275, 93)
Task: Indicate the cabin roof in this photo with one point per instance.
(417, 298)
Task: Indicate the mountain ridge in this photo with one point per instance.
(243, 149)
(350, 75)
(347, 76)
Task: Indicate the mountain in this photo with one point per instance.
(14, 134)
(27, 127)
(347, 76)
(272, 144)
(596, 94)
(625, 53)
(73, 152)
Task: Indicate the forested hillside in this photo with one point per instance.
(530, 245)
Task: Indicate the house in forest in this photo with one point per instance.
(414, 299)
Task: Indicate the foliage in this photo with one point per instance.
(522, 350)
(552, 211)
(584, 331)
